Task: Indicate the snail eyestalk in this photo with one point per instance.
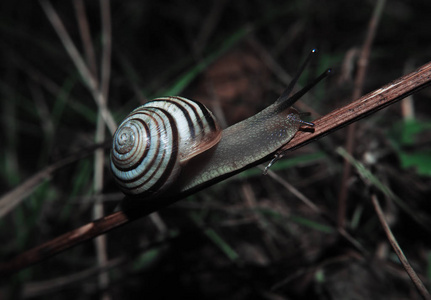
(305, 123)
(295, 97)
(291, 100)
(285, 95)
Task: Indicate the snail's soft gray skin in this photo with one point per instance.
(244, 143)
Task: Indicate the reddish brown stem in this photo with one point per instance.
(339, 118)
(359, 84)
(364, 106)
(64, 242)
(403, 259)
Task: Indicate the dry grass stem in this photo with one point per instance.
(295, 192)
(84, 30)
(357, 91)
(318, 211)
(403, 259)
(73, 52)
(105, 71)
(339, 118)
(208, 27)
(364, 106)
(43, 288)
(407, 104)
(14, 197)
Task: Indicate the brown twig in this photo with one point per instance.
(208, 26)
(90, 80)
(337, 119)
(84, 30)
(295, 192)
(98, 209)
(65, 241)
(14, 197)
(43, 288)
(318, 211)
(364, 106)
(357, 91)
(403, 259)
(105, 72)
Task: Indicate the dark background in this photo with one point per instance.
(248, 237)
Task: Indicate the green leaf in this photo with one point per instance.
(312, 224)
(215, 237)
(421, 161)
(145, 259)
(221, 244)
(405, 134)
(184, 80)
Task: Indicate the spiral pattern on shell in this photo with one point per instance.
(156, 139)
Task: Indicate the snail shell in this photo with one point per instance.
(155, 140)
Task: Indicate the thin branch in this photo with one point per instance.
(14, 197)
(364, 106)
(43, 288)
(407, 105)
(65, 241)
(209, 25)
(337, 119)
(318, 211)
(357, 91)
(105, 71)
(76, 57)
(403, 259)
(296, 193)
(371, 180)
(98, 209)
(84, 30)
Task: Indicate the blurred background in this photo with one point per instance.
(248, 237)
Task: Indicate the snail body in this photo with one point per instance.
(172, 146)
(157, 141)
(243, 144)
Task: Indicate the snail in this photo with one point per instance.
(171, 146)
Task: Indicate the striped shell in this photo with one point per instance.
(156, 139)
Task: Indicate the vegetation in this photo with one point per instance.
(281, 236)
